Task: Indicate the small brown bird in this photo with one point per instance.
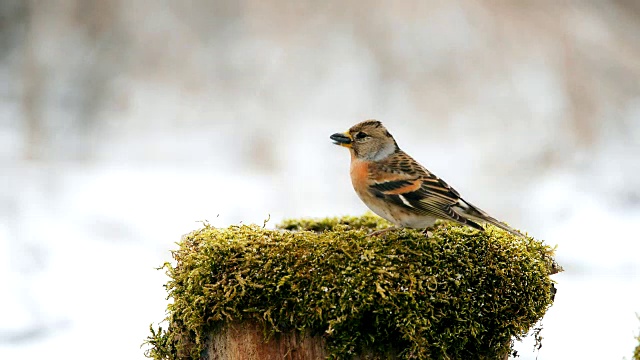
(396, 187)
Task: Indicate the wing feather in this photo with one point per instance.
(412, 187)
(406, 183)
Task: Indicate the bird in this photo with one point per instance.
(397, 188)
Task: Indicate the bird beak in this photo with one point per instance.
(342, 139)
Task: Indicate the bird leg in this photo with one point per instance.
(426, 232)
(380, 232)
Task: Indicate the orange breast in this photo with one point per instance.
(359, 174)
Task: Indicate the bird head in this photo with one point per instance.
(368, 140)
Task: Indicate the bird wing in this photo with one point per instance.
(406, 183)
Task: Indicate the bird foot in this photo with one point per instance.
(427, 233)
(380, 232)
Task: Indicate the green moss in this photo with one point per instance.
(460, 294)
(368, 222)
(636, 352)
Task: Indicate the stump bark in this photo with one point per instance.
(245, 341)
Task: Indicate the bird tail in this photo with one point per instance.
(477, 214)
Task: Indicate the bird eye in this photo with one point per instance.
(361, 135)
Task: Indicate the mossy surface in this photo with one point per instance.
(636, 352)
(458, 294)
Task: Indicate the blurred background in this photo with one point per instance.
(123, 124)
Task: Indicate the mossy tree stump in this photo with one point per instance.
(323, 289)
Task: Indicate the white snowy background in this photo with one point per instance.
(124, 123)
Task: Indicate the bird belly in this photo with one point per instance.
(381, 209)
(416, 221)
